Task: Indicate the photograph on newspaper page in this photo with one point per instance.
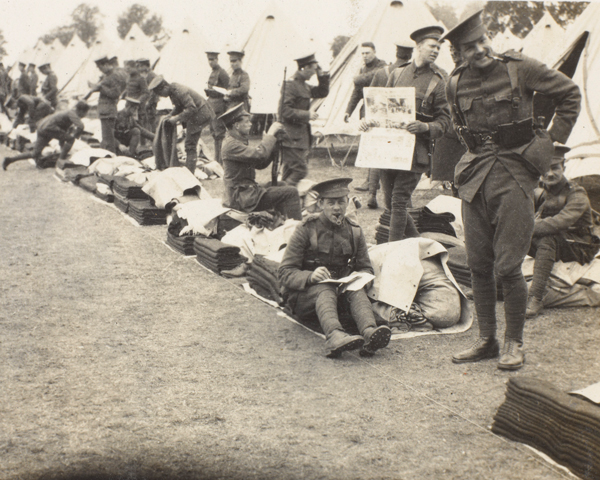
(387, 144)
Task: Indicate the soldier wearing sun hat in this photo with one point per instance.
(491, 99)
(218, 78)
(324, 246)
(294, 108)
(240, 162)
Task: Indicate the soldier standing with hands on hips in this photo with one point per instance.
(491, 100)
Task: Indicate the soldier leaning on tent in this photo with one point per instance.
(331, 246)
(491, 98)
(562, 230)
(49, 88)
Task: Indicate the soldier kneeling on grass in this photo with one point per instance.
(562, 229)
(327, 246)
(64, 126)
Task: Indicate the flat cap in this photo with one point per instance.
(306, 60)
(433, 31)
(156, 81)
(234, 114)
(467, 30)
(334, 188)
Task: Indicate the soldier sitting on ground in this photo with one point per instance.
(324, 246)
(562, 229)
(65, 126)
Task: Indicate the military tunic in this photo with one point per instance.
(191, 108)
(50, 88)
(316, 242)
(23, 85)
(33, 83)
(36, 107)
(136, 86)
(294, 108)
(496, 183)
(362, 80)
(240, 162)
(218, 78)
(239, 88)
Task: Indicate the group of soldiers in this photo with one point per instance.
(486, 103)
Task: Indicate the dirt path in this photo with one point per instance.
(122, 359)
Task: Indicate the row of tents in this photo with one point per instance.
(275, 41)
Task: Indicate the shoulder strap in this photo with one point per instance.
(515, 89)
(451, 89)
(312, 235)
(435, 79)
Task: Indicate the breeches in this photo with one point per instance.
(398, 187)
(283, 199)
(108, 134)
(295, 165)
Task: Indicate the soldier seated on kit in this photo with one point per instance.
(330, 245)
(562, 229)
(128, 129)
(65, 126)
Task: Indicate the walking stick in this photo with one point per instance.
(278, 160)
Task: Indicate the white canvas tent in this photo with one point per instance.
(183, 58)
(72, 58)
(504, 41)
(390, 22)
(272, 46)
(88, 71)
(545, 38)
(136, 45)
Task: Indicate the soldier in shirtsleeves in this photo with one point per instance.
(324, 246)
(562, 230)
(491, 100)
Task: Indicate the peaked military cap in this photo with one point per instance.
(433, 31)
(403, 50)
(143, 61)
(334, 188)
(467, 30)
(102, 60)
(156, 81)
(212, 54)
(559, 153)
(234, 114)
(236, 54)
(307, 60)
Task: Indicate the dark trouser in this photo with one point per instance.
(283, 199)
(295, 165)
(108, 134)
(398, 186)
(191, 149)
(43, 139)
(373, 180)
(218, 130)
(498, 228)
(322, 299)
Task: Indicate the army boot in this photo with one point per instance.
(6, 162)
(372, 201)
(483, 348)
(513, 357)
(534, 307)
(338, 342)
(375, 338)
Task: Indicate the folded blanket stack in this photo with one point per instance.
(145, 213)
(425, 221)
(564, 427)
(97, 186)
(216, 255)
(121, 203)
(262, 277)
(184, 244)
(88, 183)
(128, 189)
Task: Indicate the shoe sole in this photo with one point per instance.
(503, 366)
(379, 339)
(353, 345)
(477, 359)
